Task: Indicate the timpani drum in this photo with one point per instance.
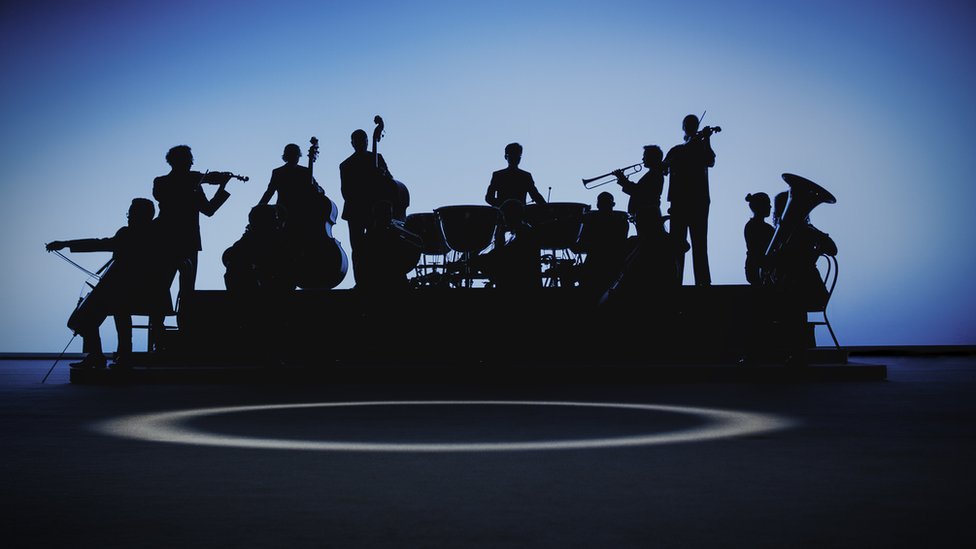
(428, 226)
(558, 224)
(468, 229)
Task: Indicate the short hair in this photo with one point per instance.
(178, 152)
(291, 152)
(690, 120)
(658, 153)
(142, 208)
(513, 149)
(359, 134)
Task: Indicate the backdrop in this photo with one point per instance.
(872, 100)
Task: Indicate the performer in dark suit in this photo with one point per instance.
(136, 282)
(644, 205)
(688, 165)
(757, 234)
(603, 239)
(181, 201)
(365, 180)
(511, 183)
(296, 189)
(263, 259)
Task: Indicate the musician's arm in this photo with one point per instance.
(208, 207)
(535, 194)
(83, 245)
(272, 188)
(490, 197)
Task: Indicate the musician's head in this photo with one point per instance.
(605, 202)
(690, 124)
(141, 212)
(759, 204)
(513, 153)
(292, 153)
(653, 156)
(180, 157)
(359, 140)
(513, 213)
(263, 218)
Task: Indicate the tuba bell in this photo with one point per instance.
(804, 196)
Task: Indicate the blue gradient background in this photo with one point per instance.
(873, 100)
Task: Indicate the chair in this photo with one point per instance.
(829, 276)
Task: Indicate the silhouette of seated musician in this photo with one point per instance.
(263, 258)
(603, 239)
(516, 264)
(136, 281)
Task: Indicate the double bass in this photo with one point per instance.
(410, 245)
(322, 261)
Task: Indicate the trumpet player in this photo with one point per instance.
(644, 204)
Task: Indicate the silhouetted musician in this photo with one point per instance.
(688, 165)
(757, 234)
(297, 193)
(263, 259)
(644, 204)
(603, 239)
(516, 264)
(511, 183)
(181, 201)
(136, 282)
(365, 180)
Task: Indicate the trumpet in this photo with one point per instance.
(610, 177)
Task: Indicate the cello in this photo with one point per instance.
(322, 261)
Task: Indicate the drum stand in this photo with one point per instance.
(431, 271)
(559, 267)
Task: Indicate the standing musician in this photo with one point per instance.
(644, 205)
(297, 191)
(757, 234)
(365, 180)
(511, 183)
(688, 164)
(181, 201)
(136, 282)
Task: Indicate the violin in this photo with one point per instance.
(705, 132)
(219, 176)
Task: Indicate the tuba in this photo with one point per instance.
(804, 196)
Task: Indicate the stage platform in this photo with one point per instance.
(717, 333)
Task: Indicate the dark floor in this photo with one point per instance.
(864, 464)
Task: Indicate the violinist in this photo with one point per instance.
(136, 282)
(688, 164)
(181, 201)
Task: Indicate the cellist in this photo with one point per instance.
(136, 282)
